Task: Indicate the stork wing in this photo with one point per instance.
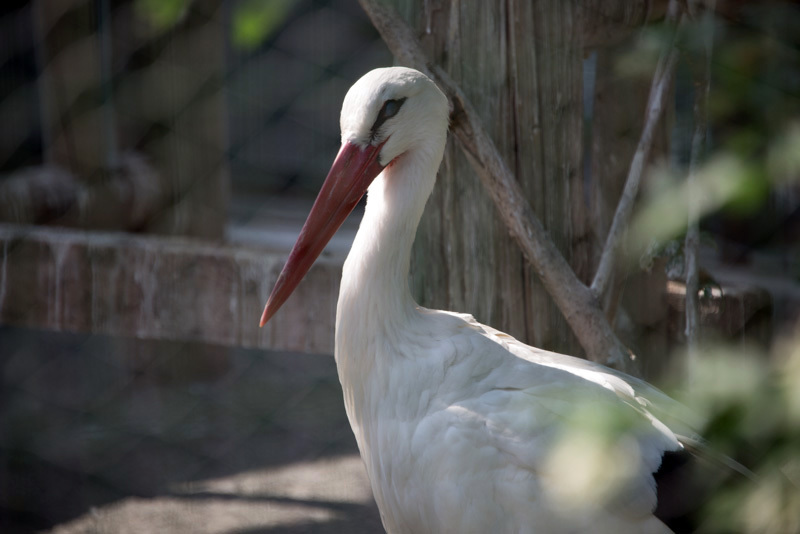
(585, 433)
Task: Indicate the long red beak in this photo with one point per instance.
(353, 170)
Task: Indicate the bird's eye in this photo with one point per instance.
(389, 110)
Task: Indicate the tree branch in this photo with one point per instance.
(655, 104)
(573, 298)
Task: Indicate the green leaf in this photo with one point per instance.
(255, 21)
(162, 14)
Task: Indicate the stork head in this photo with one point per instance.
(387, 113)
(395, 110)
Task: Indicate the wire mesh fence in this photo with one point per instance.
(212, 96)
(180, 118)
(102, 434)
(213, 120)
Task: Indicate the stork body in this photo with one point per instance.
(456, 422)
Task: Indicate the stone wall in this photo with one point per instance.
(160, 288)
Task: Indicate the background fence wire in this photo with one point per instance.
(176, 117)
(212, 120)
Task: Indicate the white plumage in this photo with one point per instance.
(462, 428)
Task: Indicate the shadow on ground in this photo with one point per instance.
(102, 434)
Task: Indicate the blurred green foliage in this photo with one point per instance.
(783, 157)
(254, 21)
(162, 14)
(596, 432)
(747, 399)
(748, 404)
(752, 153)
(744, 404)
(725, 181)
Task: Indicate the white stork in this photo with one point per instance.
(462, 428)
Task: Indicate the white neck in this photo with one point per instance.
(375, 304)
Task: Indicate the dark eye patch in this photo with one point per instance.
(389, 109)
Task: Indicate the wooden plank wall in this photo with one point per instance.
(520, 63)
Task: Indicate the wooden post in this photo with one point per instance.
(69, 87)
(171, 106)
(168, 103)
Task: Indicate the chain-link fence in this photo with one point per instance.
(156, 160)
(113, 435)
(188, 118)
(211, 97)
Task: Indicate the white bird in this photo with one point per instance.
(462, 428)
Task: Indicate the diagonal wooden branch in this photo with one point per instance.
(573, 298)
(662, 80)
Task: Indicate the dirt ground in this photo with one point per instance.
(103, 435)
